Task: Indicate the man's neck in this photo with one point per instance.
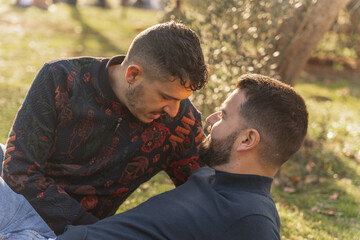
(117, 83)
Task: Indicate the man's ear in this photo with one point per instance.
(247, 139)
(133, 73)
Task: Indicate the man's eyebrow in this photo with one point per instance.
(171, 97)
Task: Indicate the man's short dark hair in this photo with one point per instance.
(173, 49)
(277, 112)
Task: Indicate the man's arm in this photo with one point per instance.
(160, 217)
(28, 148)
(186, 141)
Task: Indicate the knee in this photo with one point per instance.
(2, 153)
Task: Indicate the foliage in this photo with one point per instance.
(238, 36)
(343, 38)
(326, 171)
(31, 36)
(333, 132)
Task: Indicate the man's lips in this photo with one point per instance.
(155, 115)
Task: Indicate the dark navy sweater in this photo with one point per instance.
(211, 205)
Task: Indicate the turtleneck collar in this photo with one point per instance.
(245, 182)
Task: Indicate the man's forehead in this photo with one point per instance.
(178, 95)
(184, 82)
(231, 99)
(172, 88)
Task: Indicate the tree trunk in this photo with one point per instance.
(102, 3)
(72, 2)
(287, 30)
(179, 6)
(124, 3)
(316, 23)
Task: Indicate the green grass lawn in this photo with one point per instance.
(30, 37)
(325, 208)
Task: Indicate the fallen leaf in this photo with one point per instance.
(328, 212)
(347, 181)
(309, 166)
(315, 209)
(334, 196)
(310, 179)
(145, 186)
(295, 179)
(322, 180)
(276, 182)
(289, 189)
(324, 212)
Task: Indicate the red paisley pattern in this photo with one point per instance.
(119, 192)
(62, 102)
(154, 137)
(89, 202)
(134, 169)
(86, 77)
(183, 168)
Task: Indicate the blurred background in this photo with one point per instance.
(313, 45)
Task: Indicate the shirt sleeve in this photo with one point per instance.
(157, 218)
(254, 227)
(28, 148)
(186, 142)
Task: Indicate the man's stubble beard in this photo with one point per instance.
(215, 152)
(133, 96)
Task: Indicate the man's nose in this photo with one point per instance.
(172, 109)
(213, 118)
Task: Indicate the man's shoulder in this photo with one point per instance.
(205, 174)
(254, 227)
(188, 109)
(75, 62)
(252, 206)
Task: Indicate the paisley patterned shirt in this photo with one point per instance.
(76, 153)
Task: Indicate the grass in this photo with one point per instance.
(329, 207)
(31, 37)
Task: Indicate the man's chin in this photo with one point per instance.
(143, 118)
(214, 152)
(147, 120)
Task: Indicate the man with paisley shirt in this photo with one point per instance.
(91, 130)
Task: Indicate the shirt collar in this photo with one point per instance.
(104, 78)
(243, 182)
(115, 60)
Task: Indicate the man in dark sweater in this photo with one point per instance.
(260, 126)
(91, 130)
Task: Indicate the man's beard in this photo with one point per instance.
(215, 152)
(133, 96)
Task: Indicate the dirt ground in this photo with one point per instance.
(334, 67)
